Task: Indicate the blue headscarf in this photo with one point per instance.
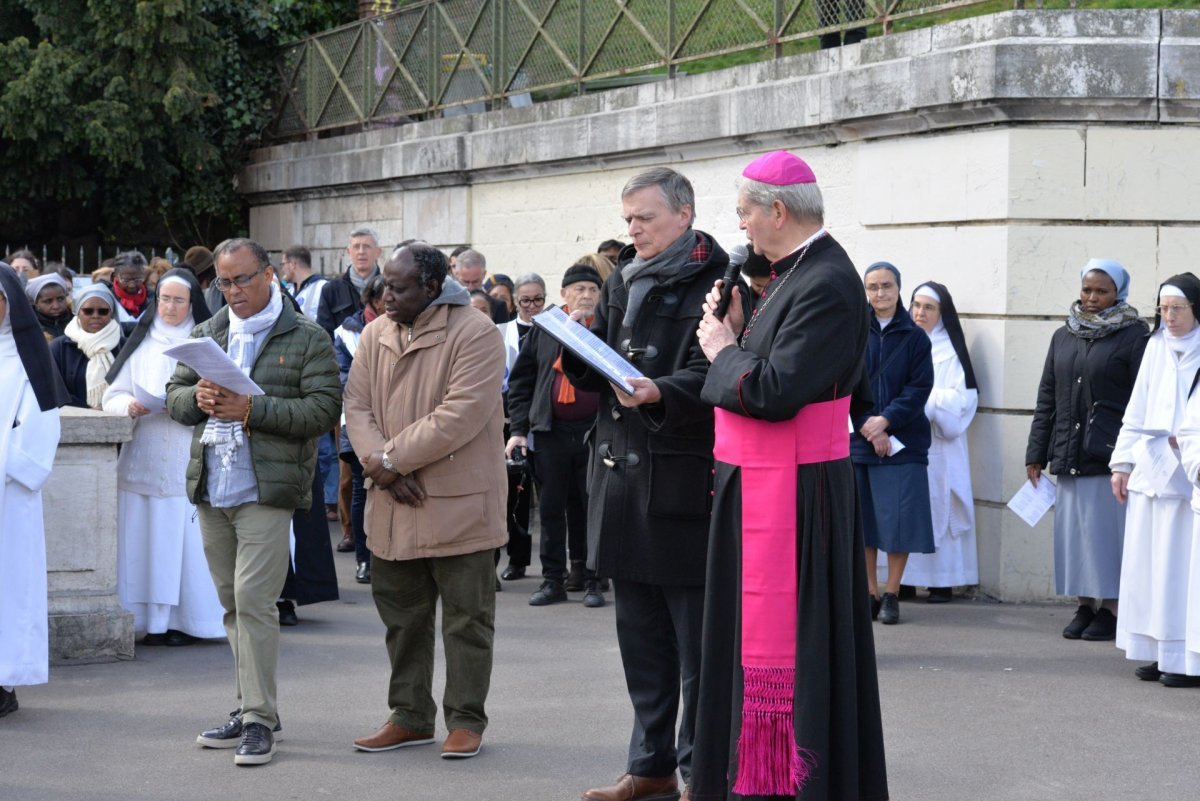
(884, 265)
(1118, 274)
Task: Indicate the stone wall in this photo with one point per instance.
(995, 154)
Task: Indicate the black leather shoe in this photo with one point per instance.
(1083, 619)
(176, 638)
(1148, 672)
(256, 747)
(907, 592)
(576, 578)
(551, 592)
(889, 609)
(1102, 627)
(940, 595)
(604, 585)
(8, 701)
(227, 735)
(875, 606)
(513, 572)
(287, 613)
(155, 639)
(592, 597)
(1179, 680)
(363, 574)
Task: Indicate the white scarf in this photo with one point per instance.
(226, 436)
(97, 348)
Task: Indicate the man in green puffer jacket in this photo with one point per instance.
(251, 467)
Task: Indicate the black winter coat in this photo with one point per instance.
(339, 299)
(1110, 364)
(531, 383)
(72, 366)
(650, 483)
(899, 369)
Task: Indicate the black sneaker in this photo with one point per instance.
(8, 701)
(257, 746)
(889, 609)
(228, 735)
(551, 592)
(287, 613)
(1102, 627)
(1148, 672)
(1083, 619)
(576, 578)
(592, 597)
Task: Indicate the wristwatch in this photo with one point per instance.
(387, 464)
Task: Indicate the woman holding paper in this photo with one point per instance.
(1086, 382)
(1147, 477)
(162, 575)
(890, 446)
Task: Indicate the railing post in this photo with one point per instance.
(778, 34)
(670, 38)
(582, 47)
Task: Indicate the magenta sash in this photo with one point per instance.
(770, 761)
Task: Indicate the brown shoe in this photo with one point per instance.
(637, 788)
(346, 545)
(392, 736)
(461, 743)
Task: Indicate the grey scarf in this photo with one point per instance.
(1087, 325)
(641, 274)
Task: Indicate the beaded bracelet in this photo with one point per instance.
(246, 417)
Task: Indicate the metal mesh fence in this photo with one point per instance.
(457, 56)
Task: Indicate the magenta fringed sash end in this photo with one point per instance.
(769, 760)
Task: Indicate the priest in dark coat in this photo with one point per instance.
(791, 696)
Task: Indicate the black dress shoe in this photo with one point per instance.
(287, 613)
(155, 639)
(907, 592)
(1083, 618)
(551, 592)
(513, 572)
(1179, 680)
(1102, 627)
(257, 745)
(889, 609)
(363, 574)
(940, 595)
(1148, 672)
(346, 545)
(8, 701)
(177, 638)
(876, 604)
(592, 597)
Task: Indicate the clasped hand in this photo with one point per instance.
(404, 489)
(219, 402)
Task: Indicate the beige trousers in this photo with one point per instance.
(248, 553)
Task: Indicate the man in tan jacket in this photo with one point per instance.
(424, 414)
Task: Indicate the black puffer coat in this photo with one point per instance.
(1110, 364)
(651, 473)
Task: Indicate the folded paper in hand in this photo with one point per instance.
(1031, 502)
(207, 358)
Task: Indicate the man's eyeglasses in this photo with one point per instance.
(538, 301)
(96, 312)
(242, 281)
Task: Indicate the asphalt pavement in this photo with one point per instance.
(980, 701)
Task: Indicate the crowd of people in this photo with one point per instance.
(789, 463)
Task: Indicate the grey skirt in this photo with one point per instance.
(1089, 533)
(895, 507)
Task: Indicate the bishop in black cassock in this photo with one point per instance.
(788, 678)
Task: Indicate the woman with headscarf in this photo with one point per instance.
(1086, 382)
(890, 445)
(29, 432)
(162, 574)
(90, 343)
(1158, 518)
(48, 293)
(950, 410)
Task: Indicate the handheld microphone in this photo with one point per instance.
(737, 257)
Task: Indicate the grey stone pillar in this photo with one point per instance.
(79, 503)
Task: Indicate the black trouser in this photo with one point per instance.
(358, 510)
(560, 465)
(658, 631)
(520, 543)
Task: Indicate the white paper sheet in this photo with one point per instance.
(157, 404)
(896, 446)
(1157, 463)
(1031, 503)
(206, 358)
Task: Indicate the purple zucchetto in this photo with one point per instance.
(779, 168)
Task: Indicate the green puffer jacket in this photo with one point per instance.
(296, 369)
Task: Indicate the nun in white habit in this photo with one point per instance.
(162, 574)
(29, 431)
(950, 408)
(1158, 518)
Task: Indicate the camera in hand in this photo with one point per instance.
(517, 462)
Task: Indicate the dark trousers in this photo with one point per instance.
(358, 508)
(520, 543)
(658, 631)
(406, 593)
(560, 464)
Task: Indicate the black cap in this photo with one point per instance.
(581, 272)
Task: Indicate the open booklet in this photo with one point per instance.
(207, 358)
(587, 346)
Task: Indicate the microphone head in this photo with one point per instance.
(738, 255)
